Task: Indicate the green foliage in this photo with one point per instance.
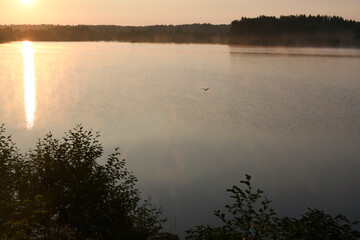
(23, 222)
(316, 224)
(9, 158)
(80, 198)
(147, 219)
(251, 218)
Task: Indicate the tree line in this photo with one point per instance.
(294, 30)
(192, 33)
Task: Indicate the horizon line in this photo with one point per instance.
(171, 24)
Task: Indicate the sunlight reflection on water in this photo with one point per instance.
(29, 84)
(288, 117)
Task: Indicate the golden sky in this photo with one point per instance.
(150, 12)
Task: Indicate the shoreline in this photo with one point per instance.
(299, 46)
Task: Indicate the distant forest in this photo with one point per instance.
(192, 33)
(299, 30)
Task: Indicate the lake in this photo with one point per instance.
(289, 117)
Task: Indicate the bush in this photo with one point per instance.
(251, 218)
(59, 190)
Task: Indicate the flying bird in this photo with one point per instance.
(205, 89)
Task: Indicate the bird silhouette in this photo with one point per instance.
(205, 89)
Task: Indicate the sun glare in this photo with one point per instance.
(26, 1)
(29, 84)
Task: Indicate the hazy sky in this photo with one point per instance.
(149, 12)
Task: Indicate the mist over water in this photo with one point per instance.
(290, 117)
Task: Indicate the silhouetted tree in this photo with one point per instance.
(251, 218)
(80, 198)
(296, 30)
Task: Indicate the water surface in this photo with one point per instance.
(290, 117)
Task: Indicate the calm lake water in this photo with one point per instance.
(288, 117)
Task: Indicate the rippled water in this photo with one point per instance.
(290, 117)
